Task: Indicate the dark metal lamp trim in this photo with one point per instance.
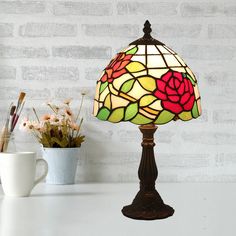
(147, 39)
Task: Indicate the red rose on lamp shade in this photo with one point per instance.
(116, 68)
(175, 91)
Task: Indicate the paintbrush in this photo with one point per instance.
(5, 132)
(19, 103)
(17, 116)
(13, 108)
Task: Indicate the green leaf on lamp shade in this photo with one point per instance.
(107, 102)
(127, 86)
(185, 115)
(195, 111)
(131, 111)
(191, 79)
(164, 117)
(117, 115)
(103, 114)
(132, 51)
(146, 100)
(141, 120)
(102, 87)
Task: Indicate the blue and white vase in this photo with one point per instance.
(62, 164)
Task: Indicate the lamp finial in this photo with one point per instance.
(147, 29)
(147, 39)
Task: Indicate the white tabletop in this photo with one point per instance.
(95, 209)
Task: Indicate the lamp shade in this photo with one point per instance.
(147, 83)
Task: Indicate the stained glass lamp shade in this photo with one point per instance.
(147, 84)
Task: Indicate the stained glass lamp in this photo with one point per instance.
(147, 84)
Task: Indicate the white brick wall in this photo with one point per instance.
(56, 49)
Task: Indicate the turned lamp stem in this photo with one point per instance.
(148, 204)
(147, 171)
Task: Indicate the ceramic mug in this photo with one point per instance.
(18, 173)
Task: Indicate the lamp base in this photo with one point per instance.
(148, 206)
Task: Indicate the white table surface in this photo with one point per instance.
(94, 209)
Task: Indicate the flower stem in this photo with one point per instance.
(36, 115)
(79, 127)
(81, 103)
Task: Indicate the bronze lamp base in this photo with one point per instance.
(148, 204)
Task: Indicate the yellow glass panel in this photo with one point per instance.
(155, 61)
(139, 58)
(104, 94)
(141, 73)
(118, 102)
(191, 73)
(137, 91)
(95, 108)
(127, 97)
(97, 90)
(150, 110)
(107, 102)
(146, 100)
(120, 80)
(113, 91)
(141, 49)
(157, 73)
(179, 69)
(162, 49)
(135, 66)
(196, 91)
(171, 60)
(150, 116)
(148, 83)
(180, 60)
(151, 49)
(156, 105)
(169, 49)
(199, 107)
(100, 104)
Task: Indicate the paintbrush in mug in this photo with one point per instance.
(17, 116)
(13, 108)
(5, 131)
(19, 104)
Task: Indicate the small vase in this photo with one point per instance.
(62, 164)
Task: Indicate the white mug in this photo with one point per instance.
(18, 173)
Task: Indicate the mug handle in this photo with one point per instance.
(45, 170)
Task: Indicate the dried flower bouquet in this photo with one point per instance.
(59, 129)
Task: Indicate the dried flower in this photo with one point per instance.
(68, 112)
(24, 125)
(67, 101)
(46, 117)
(54, 118)
(75, 126)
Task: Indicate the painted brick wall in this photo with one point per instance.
(56, 49)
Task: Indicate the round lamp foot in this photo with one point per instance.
(148, 206)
